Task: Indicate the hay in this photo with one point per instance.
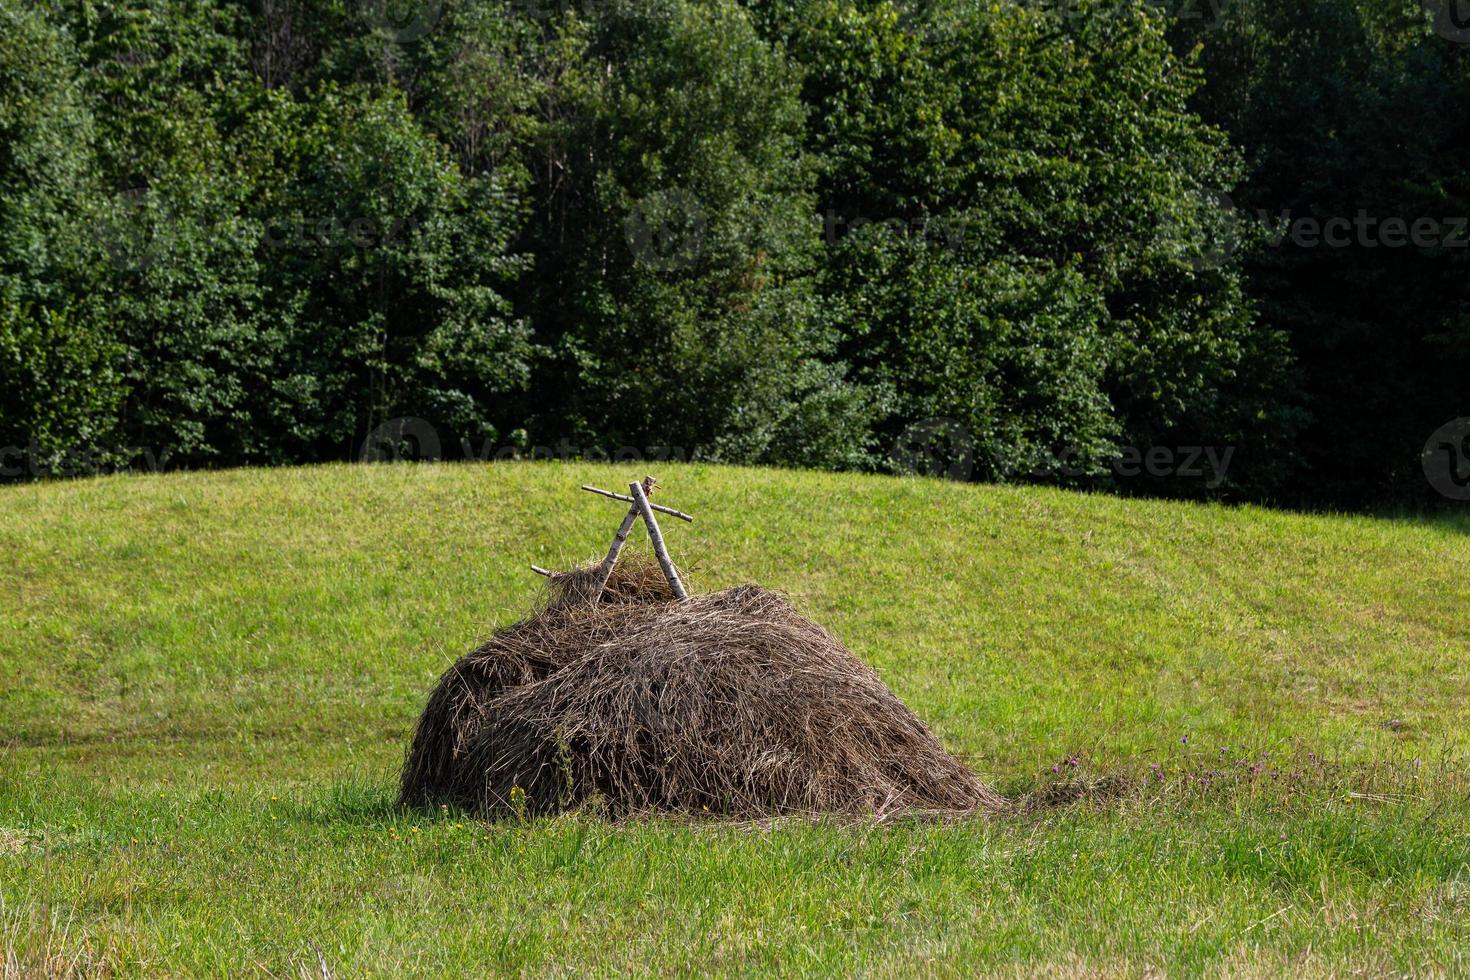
(730, 703)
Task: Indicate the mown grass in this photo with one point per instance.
(207, 682)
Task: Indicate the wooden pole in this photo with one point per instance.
(656, 536)
(605, 570)
(628, 500)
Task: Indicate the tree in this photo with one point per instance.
(1353, 118)
(393, 267)
(675, 243)
(58, 390)
(995, 180)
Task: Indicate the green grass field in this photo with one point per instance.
(207, 682)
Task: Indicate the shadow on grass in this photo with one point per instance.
(1204, 780)
(1274, 779)
(1455, 522)
(357, 803)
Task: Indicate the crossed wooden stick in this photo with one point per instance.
(642, 507)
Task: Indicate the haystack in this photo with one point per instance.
(619, 694)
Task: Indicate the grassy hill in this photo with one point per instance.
(1238, 731)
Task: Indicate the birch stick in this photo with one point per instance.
(628, 500)
(605, 570)
(656, 536)
(541, 571)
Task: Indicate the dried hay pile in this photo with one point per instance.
(728, 703)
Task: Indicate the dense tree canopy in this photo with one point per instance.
(801, 232)
(58, 370)
(1353, 120)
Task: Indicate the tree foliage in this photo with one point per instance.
(58, 380)
(1358, 141)
(782, 231)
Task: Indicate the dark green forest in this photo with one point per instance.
(1059, 241)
